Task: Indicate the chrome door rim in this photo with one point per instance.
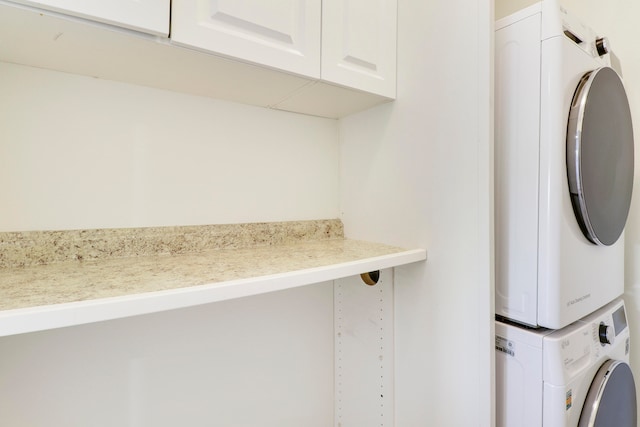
(593, 229)
(597, 391)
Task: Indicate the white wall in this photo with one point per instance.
(507, 7)
(262, 361)
(78, 152)
(417, 172)
(618, 20)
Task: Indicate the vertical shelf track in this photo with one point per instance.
(364, 351)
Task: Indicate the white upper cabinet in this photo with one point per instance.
(359, 44)
(282, 34)
(149, 16)
(327, 58)
(350, 43)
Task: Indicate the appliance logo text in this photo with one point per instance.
(577, 300)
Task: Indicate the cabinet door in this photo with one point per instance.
(359, 44)
(283, 34)
(149, 16)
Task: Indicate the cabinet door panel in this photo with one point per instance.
(149, 16)
(359, 44)
(283, 34)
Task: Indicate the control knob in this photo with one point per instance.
(605, 334)
(602, 46)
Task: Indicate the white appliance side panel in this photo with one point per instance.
(516, 161)
(576, 277)
(518, 377)
(364, 349)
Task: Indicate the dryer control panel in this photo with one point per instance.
(619, 320)
(573, 28)
(610, 327)
(604, 334)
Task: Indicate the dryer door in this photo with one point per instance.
(600, 156)
(611, 400)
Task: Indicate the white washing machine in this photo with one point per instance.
(564, 168)
(576, 376)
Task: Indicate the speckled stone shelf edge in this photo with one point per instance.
(30, 248)
(289, 266)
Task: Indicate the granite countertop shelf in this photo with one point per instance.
(56, 279)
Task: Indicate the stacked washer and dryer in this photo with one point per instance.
(564, 175)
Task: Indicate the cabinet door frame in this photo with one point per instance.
(359, 44)
(276, 37)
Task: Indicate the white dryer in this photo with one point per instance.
(576, 376)
(564, 168)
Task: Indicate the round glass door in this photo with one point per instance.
(600, 156)
(611, 400)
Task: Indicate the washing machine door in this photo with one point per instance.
(611, 400)
(600, 156)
